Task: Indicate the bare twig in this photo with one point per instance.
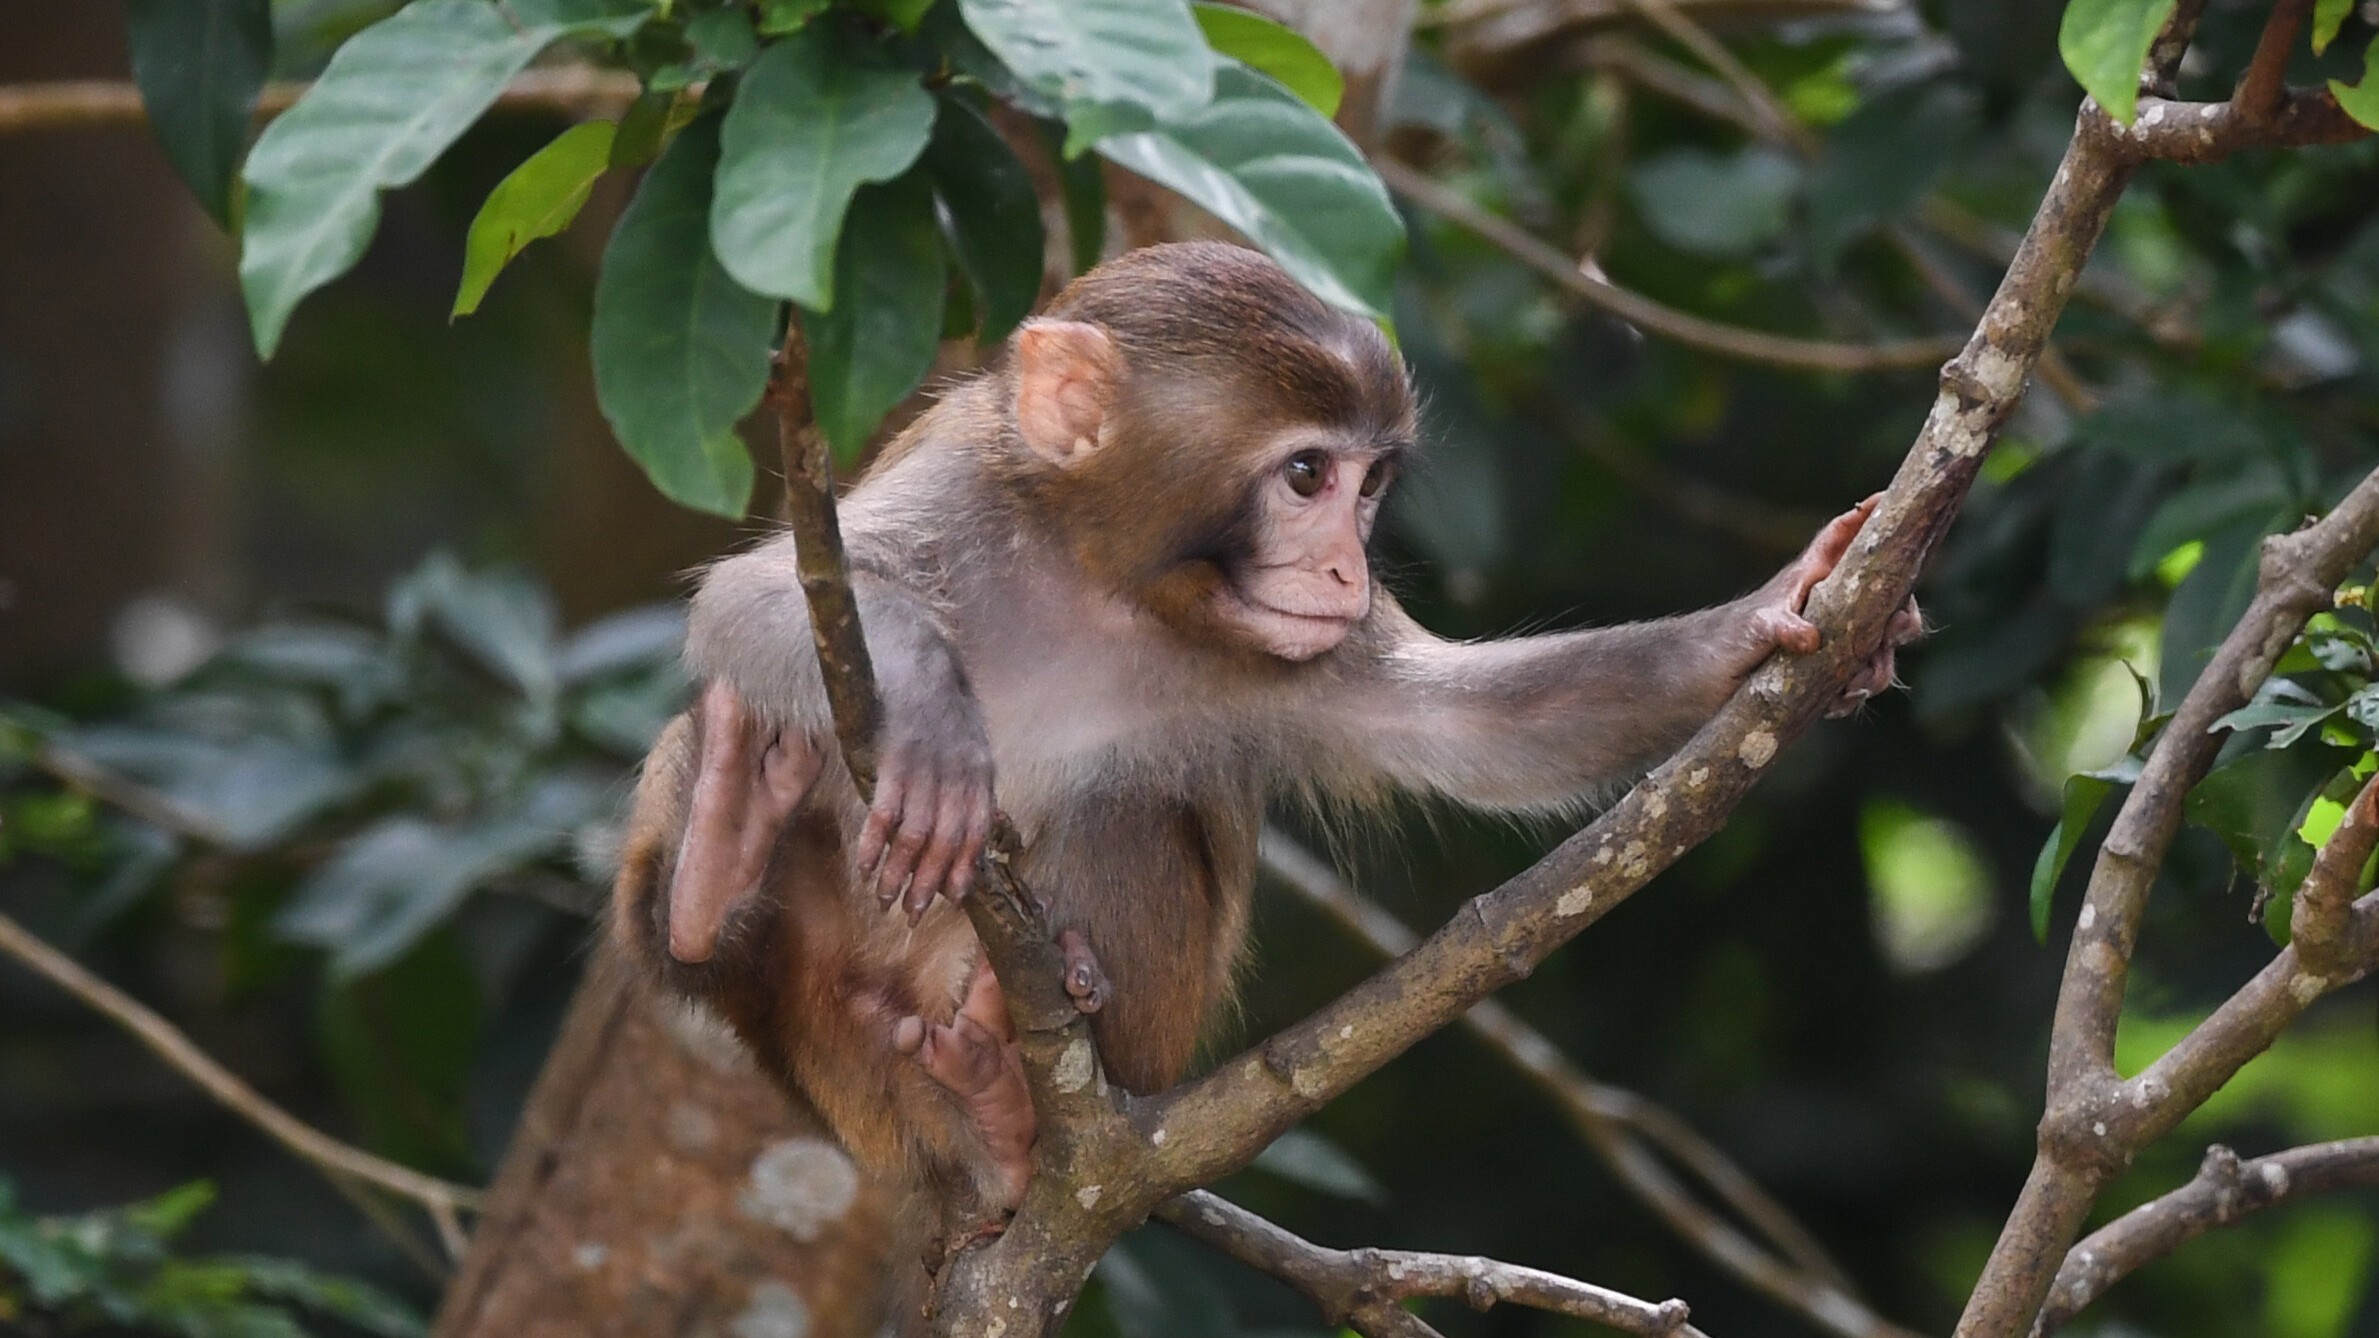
(167, 1042)
(1791, 1269)
(1365, 1289)
(2225, 1190)
(1707, 335)
(2266, 81)
(2322, 922)
(77, 104)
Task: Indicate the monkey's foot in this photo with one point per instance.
(976, 1058)
(1086, 980)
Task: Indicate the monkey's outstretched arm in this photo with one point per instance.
(749, 632)
(1538, 724)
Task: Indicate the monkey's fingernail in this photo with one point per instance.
(908, 1035)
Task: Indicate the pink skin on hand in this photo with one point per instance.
(1776, 622)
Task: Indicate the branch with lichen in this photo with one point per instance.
(1365, 1290)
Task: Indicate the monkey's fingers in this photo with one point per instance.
(883, 815)
(1907, 625)
(1086, 980)
(1785, 629)
(978, 836)
(944, 854)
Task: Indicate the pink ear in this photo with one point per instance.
(1066, 375)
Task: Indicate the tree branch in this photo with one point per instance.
(2207, 132)
(1708, 335)
(1366, 1289)
(338, 1160)
(2260, 90)
(80, 104)
(1792, 1269)
(2224, 1191)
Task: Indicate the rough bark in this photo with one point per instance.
(658, 1184)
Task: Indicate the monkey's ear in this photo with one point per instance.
(1066, 376)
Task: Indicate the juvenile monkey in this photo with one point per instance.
(1124, 572)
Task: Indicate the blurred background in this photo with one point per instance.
(382, 627)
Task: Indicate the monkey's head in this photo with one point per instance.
(1215, 442)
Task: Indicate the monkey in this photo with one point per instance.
(1125, 573)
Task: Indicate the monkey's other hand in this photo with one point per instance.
(749, 778)
(932, 811)
(1086, 980)
(975, 1057)
(1775, 619)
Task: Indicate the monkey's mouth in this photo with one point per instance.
(1291, 634)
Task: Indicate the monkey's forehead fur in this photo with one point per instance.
(1221, 312)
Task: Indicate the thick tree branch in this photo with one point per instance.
(1625, 1129)
(1636, 309)
(342, 1162)
(2224, 1191)
(1366, 1289)
(77, 104)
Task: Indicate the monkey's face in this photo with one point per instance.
(1304, 581)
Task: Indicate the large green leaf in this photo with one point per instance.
(816, 118)
(1269, 166)
(680, 349)
(199, 64)
(877, 343)
(990, 213)
(1115, 65)
(1276, 49)
(2361, 101)
(393, 98)
(538, 199)
(2105, 43)
(1883, 158)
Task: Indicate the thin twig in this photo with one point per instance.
(1792, 1269)
(80, 104)
(1366, 1289)
(183, 1055)
(1708, 335)
(2266, 81)
(2224, 1191)
(2321, 923)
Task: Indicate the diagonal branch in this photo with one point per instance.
(2225, 1190)
(1710, 336)
(1624, 1129)
(342, 1162)
(1366, 1289)
(71, 104)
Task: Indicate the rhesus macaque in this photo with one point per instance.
(1123, 574)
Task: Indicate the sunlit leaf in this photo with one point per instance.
(2105, 44)
(392, 100)
(1116, 65)
(538, 199)
(2328, 17)
(2361, 101)
(876, 345)
(814, 119)
(680, 349)
(1277, 50)
(1270, 167)
(200, 64)
(990, 213)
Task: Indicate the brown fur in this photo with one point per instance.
(1062, 611)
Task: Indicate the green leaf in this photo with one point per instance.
(722, 39)
(1277, 50)
(1082, 183)
(814, 120)
(1286, 179)
(990, 214)
(1726, 205)
(399, 878)
(2105, 44)
(393, 98)
(2206, 506)
(680, 350)
(2083, 794)
(1883, 158)
(872, 349)
(1303, 1157)
(538, 199)
(2361, 101)
(1115, 65)
(2257, 803)
(364, 1306)
(199, 64)
(2328, 17)
(644, 127)
(778, 17)
(2283, 704)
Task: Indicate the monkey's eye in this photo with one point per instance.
(1375, 478)
(1307, 471)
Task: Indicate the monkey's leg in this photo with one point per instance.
(975, 1057)
(748, 779)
